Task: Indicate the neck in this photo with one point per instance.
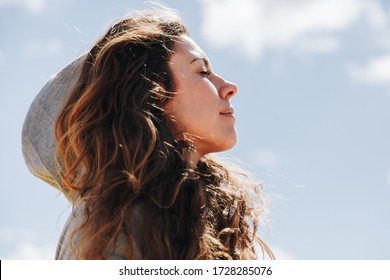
(193, 156)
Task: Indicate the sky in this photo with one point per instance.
(312, 114)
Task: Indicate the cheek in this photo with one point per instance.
(178, 114)
(192, 118)
(194, 106)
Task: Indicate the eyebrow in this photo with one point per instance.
(201, 58)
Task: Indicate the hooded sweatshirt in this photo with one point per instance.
(38, 146)
(38, 142)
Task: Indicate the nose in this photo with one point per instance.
(227, 89)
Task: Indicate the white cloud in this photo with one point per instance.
(36, 48)
(376, 71)
(234, 24)
(253, 26)
(10, 235)
(379, 21)
(376, 16)
(266, 158)
(28, 251)
(322, 44)
(22, 244)
(32, 6)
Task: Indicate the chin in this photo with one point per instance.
(232, 141)
(216, 144)
(230, 146)
(226, 145)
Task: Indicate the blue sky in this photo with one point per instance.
(312, 108)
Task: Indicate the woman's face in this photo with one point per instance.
(201, 106)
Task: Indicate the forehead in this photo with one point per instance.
(186, 48)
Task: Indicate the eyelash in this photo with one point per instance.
(206, 73)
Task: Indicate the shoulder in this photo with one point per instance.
(118, 250)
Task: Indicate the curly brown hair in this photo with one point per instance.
(118, 153)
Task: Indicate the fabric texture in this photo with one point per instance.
(116, 252)
(38, 143)
(38, 146)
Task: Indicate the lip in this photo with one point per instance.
(229, 112)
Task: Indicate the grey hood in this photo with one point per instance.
(38, 142)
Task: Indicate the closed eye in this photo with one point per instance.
(206, 73)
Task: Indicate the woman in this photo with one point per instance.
(133, 141)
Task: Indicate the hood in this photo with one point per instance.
(38, 144)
